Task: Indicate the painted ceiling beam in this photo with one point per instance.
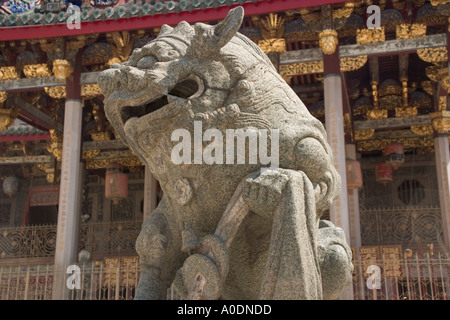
(25, 84)
(104, 145)
(36, 116)
(393, 46)
(25, 159)
(372, 49)
(392, 123)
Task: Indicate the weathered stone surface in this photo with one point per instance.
(229, 231)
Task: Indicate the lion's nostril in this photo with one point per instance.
(134, 79)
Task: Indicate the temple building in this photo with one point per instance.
(375, 72)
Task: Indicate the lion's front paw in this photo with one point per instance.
(335, 259)
(262, 193)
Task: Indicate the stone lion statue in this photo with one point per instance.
(224, 229)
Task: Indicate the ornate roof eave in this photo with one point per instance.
(130, 17)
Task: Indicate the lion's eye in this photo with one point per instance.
(146, 62)
(190, 88)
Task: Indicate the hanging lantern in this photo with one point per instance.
(384, 173)
(11, 186)
(354, 175)
(394, 155)
(116, 184)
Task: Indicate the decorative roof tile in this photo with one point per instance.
(20, 128)
(117, 11)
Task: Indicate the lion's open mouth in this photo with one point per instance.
(187, 89)
(139, 111)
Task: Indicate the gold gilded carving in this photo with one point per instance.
(7, 117)
(55, 144)
(432, 72)
(406, 112)
(408, 143)
(62, 69)
(405, 92)
(102, 130)
(433, 55)
(272, 29)
(442, 103)
(352, 63)
(90, 154)
(422, 130)
(101, 136)
(438, 74)
(42, 166)
(438, 2)
(344, 12)
(389, 90)
(272, 26)
(121, 45)
(441, 121)
(306, 35)
(348, 125)
(364, 134)
(361, 110)
(289, 70)
(8, 73)
(3, 96)
(328, 41)
(374, 85)
(370, 35)
(377, 114)
(444, 80)
(50, 177)
(272, 45)
(408, 31)
(40, 70)
(52, 173)
(90, 91)
(103, 163)
(58, 92)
